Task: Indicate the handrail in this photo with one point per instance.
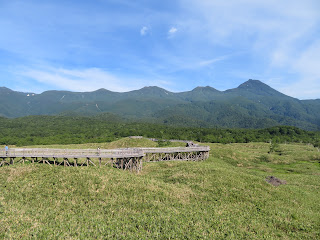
(46, 152)
(122, 152)
(177, 149)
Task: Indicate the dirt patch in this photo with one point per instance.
(275, 181)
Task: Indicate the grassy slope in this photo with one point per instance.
(224, 197)
(121, 143)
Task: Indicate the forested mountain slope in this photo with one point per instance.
(253, 104)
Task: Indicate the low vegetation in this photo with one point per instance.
(47, 130)
(121, 143)
(224, 197)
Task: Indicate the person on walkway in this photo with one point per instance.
(6, 149)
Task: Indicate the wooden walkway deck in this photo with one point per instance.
(71, 153)
(127, 159)
(176, 154)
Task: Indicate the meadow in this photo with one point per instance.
(224, 197)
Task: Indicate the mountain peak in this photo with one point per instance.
(153, 88)
(205, 89)
(257, 87)
(101, 90)
(253, 84)
(150, 91)
(4, 89)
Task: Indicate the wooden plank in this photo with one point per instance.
(129, 159)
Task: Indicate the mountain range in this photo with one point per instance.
(253, 104)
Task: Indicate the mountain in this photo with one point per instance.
(252, 104)
(253, 88)
(200, 94)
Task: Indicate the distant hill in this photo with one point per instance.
(253, 104)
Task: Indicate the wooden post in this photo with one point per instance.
(67, 162)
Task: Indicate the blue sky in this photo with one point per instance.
(122, 45)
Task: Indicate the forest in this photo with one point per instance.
(44, 130)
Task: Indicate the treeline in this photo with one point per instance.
(44, 130)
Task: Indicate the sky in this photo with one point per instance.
(124, 45)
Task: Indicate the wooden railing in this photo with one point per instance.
(95, 153)
(176, 149)
(71, 153)
(127, 159)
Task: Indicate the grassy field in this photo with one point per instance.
(121, 143)
(224, 197)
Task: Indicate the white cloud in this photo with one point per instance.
(274, 37)
(212, 61)
(89, 79)
(76, 80)
(172, 31)
(307, 66)
(144, 31)
(309, 61)
(198, 64)
(265, 23)
(278, 34)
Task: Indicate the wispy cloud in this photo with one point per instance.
(88, 79)
(76, 80)
(307, 66)
(279, 36)
(191, 42)
(172, 31)
(144, 30)
(205, 63)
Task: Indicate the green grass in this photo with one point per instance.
(224, 197)
(121, 143)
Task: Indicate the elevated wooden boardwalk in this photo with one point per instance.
(176, 154)
(127, 159)
(71, 153)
